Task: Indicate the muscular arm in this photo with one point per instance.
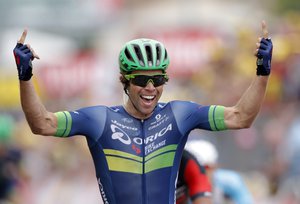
(245, 111)
(39, 119)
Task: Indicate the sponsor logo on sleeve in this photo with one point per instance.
(104, 197)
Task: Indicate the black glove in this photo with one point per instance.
(264, 57)
(23, 57)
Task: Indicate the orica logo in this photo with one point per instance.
(119, 134)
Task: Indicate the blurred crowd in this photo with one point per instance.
(35, 169)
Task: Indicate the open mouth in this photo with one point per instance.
(147, 98)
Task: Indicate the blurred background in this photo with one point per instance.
(211, 46)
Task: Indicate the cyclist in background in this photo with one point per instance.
(228, 185)
(136, 147)
(193, 184)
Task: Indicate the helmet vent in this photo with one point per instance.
(158, 52)
(149, 55)
(139, 55)
(128, 55)
(166, 55)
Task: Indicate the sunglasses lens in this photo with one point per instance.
(143, 80)
(140, 80)
(159, 80)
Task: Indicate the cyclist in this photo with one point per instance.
(193, 184)
(136, 148)
(228, 185)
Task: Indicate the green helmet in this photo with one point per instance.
(143, 54)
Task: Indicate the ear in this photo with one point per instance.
(125, 88)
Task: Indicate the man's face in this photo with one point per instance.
(144, 99)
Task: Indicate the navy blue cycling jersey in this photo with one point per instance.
(137, 161)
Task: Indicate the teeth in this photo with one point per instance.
(148, 97)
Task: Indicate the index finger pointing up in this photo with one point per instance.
(23, 37)
(265, 31)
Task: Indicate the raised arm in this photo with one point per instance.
(245, 111)
(39, 119)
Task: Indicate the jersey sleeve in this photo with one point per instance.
(86, 121)
(191, 115)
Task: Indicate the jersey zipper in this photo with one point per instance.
(143, 174)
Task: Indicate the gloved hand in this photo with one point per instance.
(264, 57)
(23, 57)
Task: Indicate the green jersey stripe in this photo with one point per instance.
(112, 152)
(130, 166)
(125, 162)
(124, 165)
(216, 118)
(161, 150)
(64, 122)
(159, 162)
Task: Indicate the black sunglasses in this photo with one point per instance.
(143, 80)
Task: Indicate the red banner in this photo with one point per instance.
(69, 77)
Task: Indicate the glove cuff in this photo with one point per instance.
(27, 74)
(261, 71)
(26, 77)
